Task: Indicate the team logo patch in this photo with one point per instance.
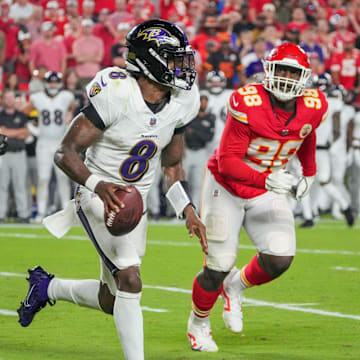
(216, 193)
(305, 130)
(159, 35)
(95, 89)
(153, 121)
(117, 75)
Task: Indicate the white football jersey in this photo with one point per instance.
(217, 105)
(52, 113)
(324, 133)
(129, 150)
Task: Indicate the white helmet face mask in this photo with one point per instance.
(284, 88)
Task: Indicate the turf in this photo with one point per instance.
(323, 281)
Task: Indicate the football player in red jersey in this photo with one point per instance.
(246, 185)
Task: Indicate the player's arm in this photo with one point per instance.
(83, 133)
(178, 194)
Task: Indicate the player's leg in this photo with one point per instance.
(44, 161)
(269, 223)
(122, 257)
(223, 217)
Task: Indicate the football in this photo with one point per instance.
(127, 218)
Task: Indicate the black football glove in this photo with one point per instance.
(3, 144)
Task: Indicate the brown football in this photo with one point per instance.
(127, 218)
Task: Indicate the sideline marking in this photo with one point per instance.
(345, 268)
(170, 243)
(248, 301)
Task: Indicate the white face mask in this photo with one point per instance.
(52, 91)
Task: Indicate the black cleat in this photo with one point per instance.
(36, 297)
(349, 216)
(307, 224)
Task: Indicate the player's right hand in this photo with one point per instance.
(280, 182)
(106, 192)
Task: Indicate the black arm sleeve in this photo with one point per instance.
(90, 112)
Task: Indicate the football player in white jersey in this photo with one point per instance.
(218, 98)
(324, 138)
(134, 122)
(53, 105)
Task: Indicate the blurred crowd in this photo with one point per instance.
(77, 38)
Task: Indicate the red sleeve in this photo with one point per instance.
(306, 155)
(233, 146)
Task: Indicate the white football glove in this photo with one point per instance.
(280, 182)
(303, 187)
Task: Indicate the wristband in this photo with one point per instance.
(91, 182)
(178, 197)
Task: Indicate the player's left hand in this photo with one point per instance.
(303, 187)
(3, 144)
(195, 226)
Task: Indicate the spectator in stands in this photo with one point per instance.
(292, 35)
(47, 51)
(88, 10)
(55, 16)
(342, 32)
(269, 11)
(34, 24)
(226, 60)
(208, 32)
(284, 10)
(256, 7)
(73, 32)
(72, 84)
(193, 15)
(2, 54)
(298, 20)
(118, 50)
(120, 14)
(246, 40)
(107, 33)
(72, 9)
(252, 62)
(272, 36)
(137, 13)
(313, 50)
(243, 24)
(21, 11)
(88, 52)
(22, 57)
(10, 29)
(324, 39)
(259, 25)
(12, 83)
(104, 4)
(14, 167)
(147, 6)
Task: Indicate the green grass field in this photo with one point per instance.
(311, 313)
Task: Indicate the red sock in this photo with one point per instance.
(203, 301)
(253, 274)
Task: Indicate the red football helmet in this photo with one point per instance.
(289, 55)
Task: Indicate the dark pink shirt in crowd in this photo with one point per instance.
(49, 55)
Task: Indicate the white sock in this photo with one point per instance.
(233, 282)
(129, 324)
(80, 292)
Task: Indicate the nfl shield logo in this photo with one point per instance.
(152, 121)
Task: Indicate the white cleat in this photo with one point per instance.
(199, 334)
(232, 313)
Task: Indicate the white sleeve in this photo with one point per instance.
(99, 95)
(191, 106)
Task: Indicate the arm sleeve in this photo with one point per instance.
(233, 146)
(306, 155)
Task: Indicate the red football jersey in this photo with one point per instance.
(256, 141)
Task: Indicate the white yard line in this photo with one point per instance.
(341, 268)
(247, 301)
(171, 243)
(8, 312)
